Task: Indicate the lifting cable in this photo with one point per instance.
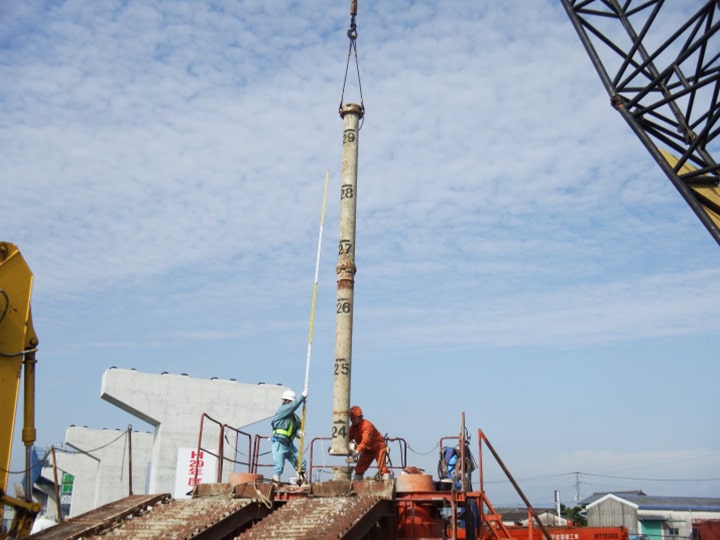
(312, 325)
(352, 49)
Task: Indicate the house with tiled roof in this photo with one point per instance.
(649, 517)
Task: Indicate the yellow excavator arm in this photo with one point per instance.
(18, 343)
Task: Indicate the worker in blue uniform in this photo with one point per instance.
(286, 426)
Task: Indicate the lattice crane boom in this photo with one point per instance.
(665, 84)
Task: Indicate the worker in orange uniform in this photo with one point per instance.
(369, 444)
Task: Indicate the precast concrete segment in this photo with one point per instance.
(85, 471)
(315, 519)
(351, 115)
(100, 465)
(174, 404)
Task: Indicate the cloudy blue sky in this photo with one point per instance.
(520, 257)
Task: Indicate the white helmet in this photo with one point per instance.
(289, 395)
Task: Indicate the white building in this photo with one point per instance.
(649, 517)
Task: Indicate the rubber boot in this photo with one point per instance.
(386, 476)
(276, 479)
(358, 476)
(302, 478)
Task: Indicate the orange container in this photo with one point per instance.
(244, 478)
(417, 519)
(408, 483)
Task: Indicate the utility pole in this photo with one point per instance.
(351, 115)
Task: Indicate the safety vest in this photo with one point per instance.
(289, 432)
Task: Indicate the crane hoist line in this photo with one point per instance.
(352, 51)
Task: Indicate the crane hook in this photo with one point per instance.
(352, 31)
(352, 35)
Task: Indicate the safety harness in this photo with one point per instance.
(286, 436)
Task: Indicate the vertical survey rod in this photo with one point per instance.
(351, 114)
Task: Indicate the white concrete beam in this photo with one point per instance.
(84, 468)
(111, 448)
(174, 404)
(99, 465)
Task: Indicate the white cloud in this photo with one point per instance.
(163, 166)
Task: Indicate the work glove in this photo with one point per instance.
(305, 393)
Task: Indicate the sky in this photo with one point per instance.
(522, 263)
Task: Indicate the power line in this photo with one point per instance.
(653, 479)
(614, 477)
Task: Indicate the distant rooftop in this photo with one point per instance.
(654, 502)
(520, 514)
(600, 494)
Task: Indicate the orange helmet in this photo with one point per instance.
(355, 411)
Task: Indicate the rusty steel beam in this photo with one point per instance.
(379, 523)
(143, 517)
(384, 489)
(324, 518)
(100, 518)
(232, 524)
(217, 518)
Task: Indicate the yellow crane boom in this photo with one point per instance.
(18, 343)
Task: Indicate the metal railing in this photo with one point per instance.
(224, 431)
(401, 443)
